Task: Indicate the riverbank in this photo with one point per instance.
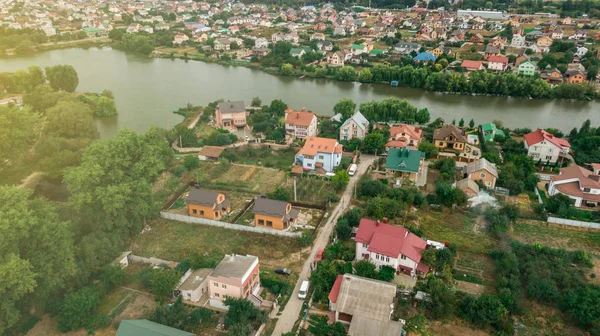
(84, 43)
(484, 83)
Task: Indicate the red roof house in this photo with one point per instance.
(472, 65)
(546, 147)
(404, 135)
(389, 245)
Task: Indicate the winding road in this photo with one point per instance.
(291, 312)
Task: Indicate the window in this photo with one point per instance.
(482, 175)
(365, 245)
(309, 164)
(224, 286)
(261, 222)
(189, 295)
(550, 150)
(387, 259)
(488, 183)
(269, 224)
(403, 257)
(201, 212)
(216, 214)
(216, 284)
(320, 157)
(195, 211)
(548, 157)
(377, 256)
(216, 294)
(587, 190)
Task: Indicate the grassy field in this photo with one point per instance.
(173, 240)
(558, 237)
(264, 156)
(310, 189)
(232, 177)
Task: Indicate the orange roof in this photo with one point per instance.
(412, 131)
(498, 59)
(471, 64)
(298, 118)
(314, 145)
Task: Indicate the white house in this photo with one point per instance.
(320, 153)
(518, 41)
(578, 183)
(222, 44)
(544, 146)
(497, 63)
(193, 284)
(388, 245)
(261, 42)
(300, 124)
(180, 38)
(354, 127)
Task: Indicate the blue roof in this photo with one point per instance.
(424, 56)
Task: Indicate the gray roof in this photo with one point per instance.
(467, 183)
(490, 49)
(372, 299)
(481, 164)
(148, 328)
(236, 106)
(205, 197)
(234, 266)
(363, 326)
(196, 278)
(359, 119)
(269, 207)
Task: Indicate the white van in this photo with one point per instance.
(352, 169)
(303, 290)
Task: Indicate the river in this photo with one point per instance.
(147, 90)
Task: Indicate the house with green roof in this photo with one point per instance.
(94, 32)
(297, 52)
(376, 52)
(148, 328)
(404, 163)
(358, 49)
(489, 131)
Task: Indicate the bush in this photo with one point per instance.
(191, 162)
(178, 170)
(332, 197)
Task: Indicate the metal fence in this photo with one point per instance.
(576, 223)
(210, 222)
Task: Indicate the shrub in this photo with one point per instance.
(191, 162)
(178, 170)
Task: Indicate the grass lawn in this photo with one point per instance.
(175, 241)
(310, 189)
(264, 156)
(232, 177)
(558, 237)
(455, 227)
(203, 130)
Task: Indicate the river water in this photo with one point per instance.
(147, 90)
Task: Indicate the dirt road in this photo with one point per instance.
(290, 314)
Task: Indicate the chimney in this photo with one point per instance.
(384, 220)
(232, 257)
(303, 109)
(298, 115)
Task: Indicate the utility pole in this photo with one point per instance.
(295, 200)
(180, 143)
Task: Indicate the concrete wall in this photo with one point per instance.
(209, 222)
(570, 222)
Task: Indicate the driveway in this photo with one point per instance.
(292, 310)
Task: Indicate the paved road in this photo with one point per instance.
(290, 314)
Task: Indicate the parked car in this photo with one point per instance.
(319, 256)
(283, 271)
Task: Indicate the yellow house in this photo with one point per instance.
(544, 41)
(200, 37)
(273, 214)
(437, 52)
(450, 137)
(482, 170)
(207, 203)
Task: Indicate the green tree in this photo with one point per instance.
(105, 107)
(442, 299)
(340, 180)
(256, 102)
(36, 254)
(319, 325)
(365, 75)
(428, 148)
(191, 162)
(461, 122)
(242, 311)
(366, 269)
(373, 143)
(42, 98)
(19, 132)
(78, 309)
(163, 282)
(71, 119)
(343, 229)
(279, 194)
(345, 107)
(287, 69)
(62, 77)
(278, 107)
(471, 123)
(346, 73)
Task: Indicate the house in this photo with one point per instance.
(437, 52)
(222, 44)
(425, 57)
(406, 48)
(339, 31)
(194, 284)
(581, 51)
(552, 76)
(544, 43)
(317, 37)
(578, 35)
(557, 34)
(261, 42)
(200, 37)
(297, 52)
(404, 135)
(489, 131)
(358, 49)
(472, 65)
(481, 170)
(468, 186)
(325, 45)
(147, 328)
(450, 137)
(404, 163)
(498, 63)
(206, 203)
(210, 153)
(180, 38)
(477, 38)
(366, 304)
(335, 59)
(578, 183)
(260, 51)
(273, 214)
(356, 126)
(491, 51)
(518, 41)
(546, 147)
(320, 153)
(231, 115)
(300, 124)
(388, 245)
(237, 277)
(576, 77)
(526, 68)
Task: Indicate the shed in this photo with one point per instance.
(210, 153)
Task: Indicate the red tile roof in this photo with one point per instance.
(389, 240)
(298, 118)
(586, 178)
(314, 145)
(498, 59)
(412, 131)
(539, 135)
(472, 64)
(396, 144)
(335, 290)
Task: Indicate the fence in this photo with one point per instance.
(539, 197)
(209, 222)
(576, 223)
(150, 261)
